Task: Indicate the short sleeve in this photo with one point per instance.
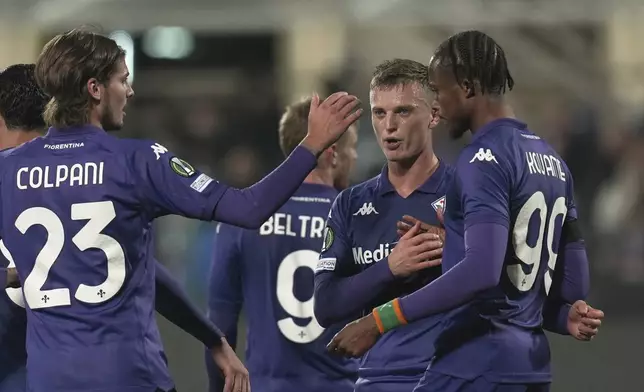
(167, 184)
(336, 248)
(484, 182)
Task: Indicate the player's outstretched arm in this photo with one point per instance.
(250, 207)
(166, 184)
(172, 302)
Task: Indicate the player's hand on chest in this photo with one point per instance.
(374, 231)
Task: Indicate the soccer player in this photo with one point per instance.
(21, 119)
(76, 208)
(270, 272)
(361, 264)
(509, 212)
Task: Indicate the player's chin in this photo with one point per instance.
(113, 126)
(398, 155)
(456, 131)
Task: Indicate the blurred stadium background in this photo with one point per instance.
(211, 77)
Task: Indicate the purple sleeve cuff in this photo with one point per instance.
(485, 246)
(3, 278)
(356, 292)
(251, 207)
(555, 317)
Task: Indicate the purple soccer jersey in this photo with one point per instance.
(353, 275)
(508, 180)
(269, 272)
(76, 210)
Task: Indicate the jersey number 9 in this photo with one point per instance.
(293, 306)
(530, 256)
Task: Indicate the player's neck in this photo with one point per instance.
(94, 119)
(322, 177)
(16, 137)
(408, 176)
(488, 110)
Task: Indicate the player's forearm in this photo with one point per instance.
(571, 282)
(226, 317)
(340, 298)
(172, 302)
(251, 207)
(485, 246)
(555, 316)
(572, 274)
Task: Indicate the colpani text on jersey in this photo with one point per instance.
(78, 174)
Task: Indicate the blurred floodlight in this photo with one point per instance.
(172, 43)
(125, 41)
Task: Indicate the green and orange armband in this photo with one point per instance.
(389, 316)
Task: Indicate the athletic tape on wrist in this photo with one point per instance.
(389, 316)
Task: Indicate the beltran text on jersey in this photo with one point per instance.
(302, 226)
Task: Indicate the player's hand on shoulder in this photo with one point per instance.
(415, 251)
(584, 321)
(236, 377)
(329, 119)
(356, 338)
(408, 221)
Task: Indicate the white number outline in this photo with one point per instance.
(98, 215)
(531, 256)
(293, 306)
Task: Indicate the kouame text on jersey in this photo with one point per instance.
(270, 272)
(360, 234)
(507, 176)
(76, 210)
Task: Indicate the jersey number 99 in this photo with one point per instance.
(293, 306)
(530, 256)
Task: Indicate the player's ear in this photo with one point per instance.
(435, 115)
(333, 155)
(95, 89)
(469, 88)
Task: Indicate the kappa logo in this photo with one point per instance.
(484, 156)
(439, 205)
(158, 149)
(366, 209)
